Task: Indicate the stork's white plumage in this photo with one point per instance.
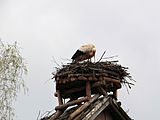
(84, 52)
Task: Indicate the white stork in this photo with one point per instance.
(84, 52)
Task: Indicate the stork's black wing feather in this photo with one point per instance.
(77, 54)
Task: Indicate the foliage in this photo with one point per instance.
(12, 69)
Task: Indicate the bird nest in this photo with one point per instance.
(109, 75)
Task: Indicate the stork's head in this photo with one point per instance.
(93, 48)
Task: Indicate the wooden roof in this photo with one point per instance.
(92, 109)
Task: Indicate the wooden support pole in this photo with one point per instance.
(61, 107)
(60, 101)
(88, 89)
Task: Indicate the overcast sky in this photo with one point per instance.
(56, 28)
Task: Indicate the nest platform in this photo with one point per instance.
(103, 76)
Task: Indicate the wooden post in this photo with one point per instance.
(60, 101)
(88, 89)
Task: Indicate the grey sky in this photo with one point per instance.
(47, 28)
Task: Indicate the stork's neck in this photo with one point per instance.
(92, 53)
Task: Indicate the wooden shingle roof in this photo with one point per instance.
(95, 109)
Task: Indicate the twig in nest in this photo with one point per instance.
(66, 59)
(56, 62)
(102, 56)
(130, 77)
(128, 82)
(38, 114)
(110, 57)
(127, 88)
(48, 80)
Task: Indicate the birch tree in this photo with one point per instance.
(12, 70)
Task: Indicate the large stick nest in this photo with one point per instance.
(93, 72)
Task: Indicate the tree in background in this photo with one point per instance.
(12, 70)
